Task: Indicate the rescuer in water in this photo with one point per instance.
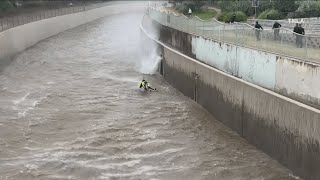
(144, 84)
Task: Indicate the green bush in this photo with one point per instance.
(243, 6)
(205, 14)
(227, 16)
(182, 8)
(5, 5)
(307, 9)
(271, 14)
(222, 16)
(240, 16)
(263, 15)
(198, 5)
(274, 14)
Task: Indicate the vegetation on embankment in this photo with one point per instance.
(198, 9)
(228, 16)
(273, 10)
(205, 14)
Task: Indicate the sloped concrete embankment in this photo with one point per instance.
(285, 129)
(19, 38)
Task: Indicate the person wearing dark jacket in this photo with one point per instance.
(296, 32)
(258, 28)
(276, 28)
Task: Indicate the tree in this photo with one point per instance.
(285, 6)
(5, 5)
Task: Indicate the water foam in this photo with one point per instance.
(19, 101)
(25, 104)
(149, 62)
(149, 54)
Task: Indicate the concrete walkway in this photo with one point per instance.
(173, 10)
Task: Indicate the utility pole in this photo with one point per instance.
(255, 12)
(255, 4)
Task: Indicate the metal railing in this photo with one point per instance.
(282, 40)
(14, 20)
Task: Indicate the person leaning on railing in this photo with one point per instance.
(298, 31)
(258, 28)
(276, 28)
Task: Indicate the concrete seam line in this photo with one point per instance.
(235, 78)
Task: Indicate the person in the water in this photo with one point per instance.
(144, 84)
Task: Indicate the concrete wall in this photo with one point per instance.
(298, 79)
(253, 66)
(287, 76)
(283, 128)
(19, 38)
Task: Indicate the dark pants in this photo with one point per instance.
(276, 34)
(146, 87)
(299, 41)
(150, 88)
(258, 36)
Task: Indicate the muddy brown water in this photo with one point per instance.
(71, 109)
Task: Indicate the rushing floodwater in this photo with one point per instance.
(71, 109)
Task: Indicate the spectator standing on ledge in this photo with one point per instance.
(276, 28)
(190, 12)
(301, 33)
(296, 32)
(258, 28)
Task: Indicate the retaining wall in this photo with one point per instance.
(287, 76)
(19, 38)
(283, 128)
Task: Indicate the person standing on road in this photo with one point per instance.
(296, 32)
(258, 28)
(276, 28)
(190, 12)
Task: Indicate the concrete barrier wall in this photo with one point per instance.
(283, 128)
(298, 79)
(254, 66)
(287, 76)
(19, 38)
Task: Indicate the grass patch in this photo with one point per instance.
(205, 14)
